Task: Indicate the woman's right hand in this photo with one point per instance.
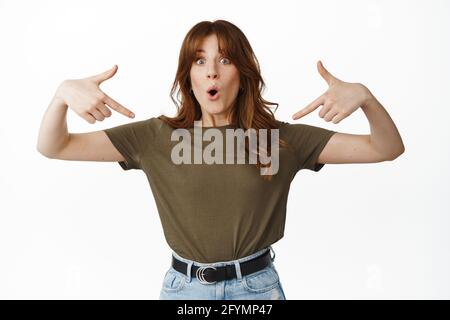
(87, 100)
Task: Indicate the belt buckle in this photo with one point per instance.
(200, 273)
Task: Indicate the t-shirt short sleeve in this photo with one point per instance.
(308, 142)
(130, 140)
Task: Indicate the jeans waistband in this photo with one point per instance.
(222, 263)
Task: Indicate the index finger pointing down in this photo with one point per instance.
(118, 107)
(309, 108)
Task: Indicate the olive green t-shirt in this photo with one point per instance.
(220, 211)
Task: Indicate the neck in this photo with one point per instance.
(214, 122)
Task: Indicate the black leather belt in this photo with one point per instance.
(211, 274)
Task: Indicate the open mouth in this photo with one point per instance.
(212, 92)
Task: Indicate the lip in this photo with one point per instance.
(216, 96)
(212, 87)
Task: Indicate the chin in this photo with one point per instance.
(215, 109)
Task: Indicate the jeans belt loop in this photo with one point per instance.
(271, 249)
(188, 272)
(237, 266)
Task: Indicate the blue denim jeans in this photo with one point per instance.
(261, 285)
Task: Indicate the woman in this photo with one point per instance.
(219, 219)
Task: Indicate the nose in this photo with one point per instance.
(212, 72)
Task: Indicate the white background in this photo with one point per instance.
(89, 230)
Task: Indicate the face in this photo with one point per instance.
(211, 68)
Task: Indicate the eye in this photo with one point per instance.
(226, 59)
(198, 60)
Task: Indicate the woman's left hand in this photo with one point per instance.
(339, 101)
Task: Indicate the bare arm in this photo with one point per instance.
(384, 135)
(85, 98)
(383, 144)
(53, 134)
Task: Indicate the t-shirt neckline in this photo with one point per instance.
(216, 127)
